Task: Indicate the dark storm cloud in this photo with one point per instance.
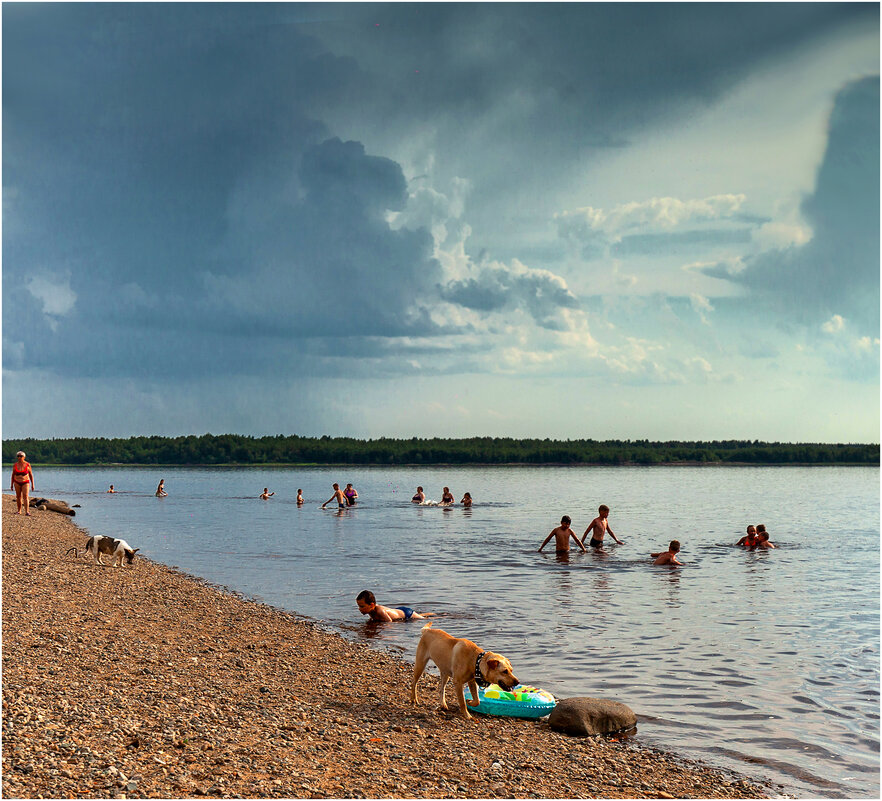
(170, 167)
(587, 72)
(515, 96)
(837, 272)
(163, 162)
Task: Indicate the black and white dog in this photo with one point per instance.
(117, 549)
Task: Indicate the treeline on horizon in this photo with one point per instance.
(235, 449)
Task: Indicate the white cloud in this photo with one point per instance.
(657, 215)
(54, 293)
(865, 344)
(781, 235)
(701, 305)
(834, 325)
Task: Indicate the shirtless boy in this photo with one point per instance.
(762, 540)
(340, 497)
(368, 605)
(599, 527)
(300, 497)
(562, 536)
(266, 494)
(668, 557)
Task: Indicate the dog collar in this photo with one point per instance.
(479, 677)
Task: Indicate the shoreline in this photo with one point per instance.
(148, 682)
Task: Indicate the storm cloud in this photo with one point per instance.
(837, 271)
(206, 195)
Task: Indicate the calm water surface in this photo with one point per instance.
(764, 662)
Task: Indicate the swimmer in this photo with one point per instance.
(668, 557)
(762, 540)
(562, 536)
(338, 496)
(447, 497)
(599, 527)
(466, 500)
(351, 495)
(368, 605)
(420, 496)
(266, 494)
(300, 497)
(750, 540)
(111, 489)
(160, 490)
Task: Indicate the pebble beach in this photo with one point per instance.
(145, 682)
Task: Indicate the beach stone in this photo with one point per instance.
(586, 717)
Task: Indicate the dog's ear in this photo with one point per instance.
(492, 664)
(135, 551)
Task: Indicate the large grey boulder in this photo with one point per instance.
(589, 716)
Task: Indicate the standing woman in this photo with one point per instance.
(22, 482)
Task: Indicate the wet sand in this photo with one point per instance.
(146, 682)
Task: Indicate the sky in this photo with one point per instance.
(605, 221)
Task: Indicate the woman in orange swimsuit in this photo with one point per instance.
(22, 482)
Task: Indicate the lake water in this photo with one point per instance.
(763, 662)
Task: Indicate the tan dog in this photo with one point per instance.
(462, 661)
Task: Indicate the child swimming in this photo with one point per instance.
(668, 557)
(367, 605)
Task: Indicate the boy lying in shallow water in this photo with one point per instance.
(368, 605)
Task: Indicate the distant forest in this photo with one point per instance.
(234, 449)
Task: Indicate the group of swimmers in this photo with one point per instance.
(757, 537)
(447, 498)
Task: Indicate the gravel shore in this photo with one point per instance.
(145, 682)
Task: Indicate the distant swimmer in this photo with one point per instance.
(748, 541)
(111, 489)
(562, 536)
(338, 496)
(351, 495)
(599, 527)
(420, 496)
(447, 497)
(300, 497)
(668, 557)
(368, 605)
(466, 500)
(160, 490)
(266, 494)
(762, 540)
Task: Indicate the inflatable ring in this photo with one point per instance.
(520, 702)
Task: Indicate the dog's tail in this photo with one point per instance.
(427, 626)
(76, 555)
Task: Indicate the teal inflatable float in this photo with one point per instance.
(520, 702)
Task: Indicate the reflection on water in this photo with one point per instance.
(764, 661)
